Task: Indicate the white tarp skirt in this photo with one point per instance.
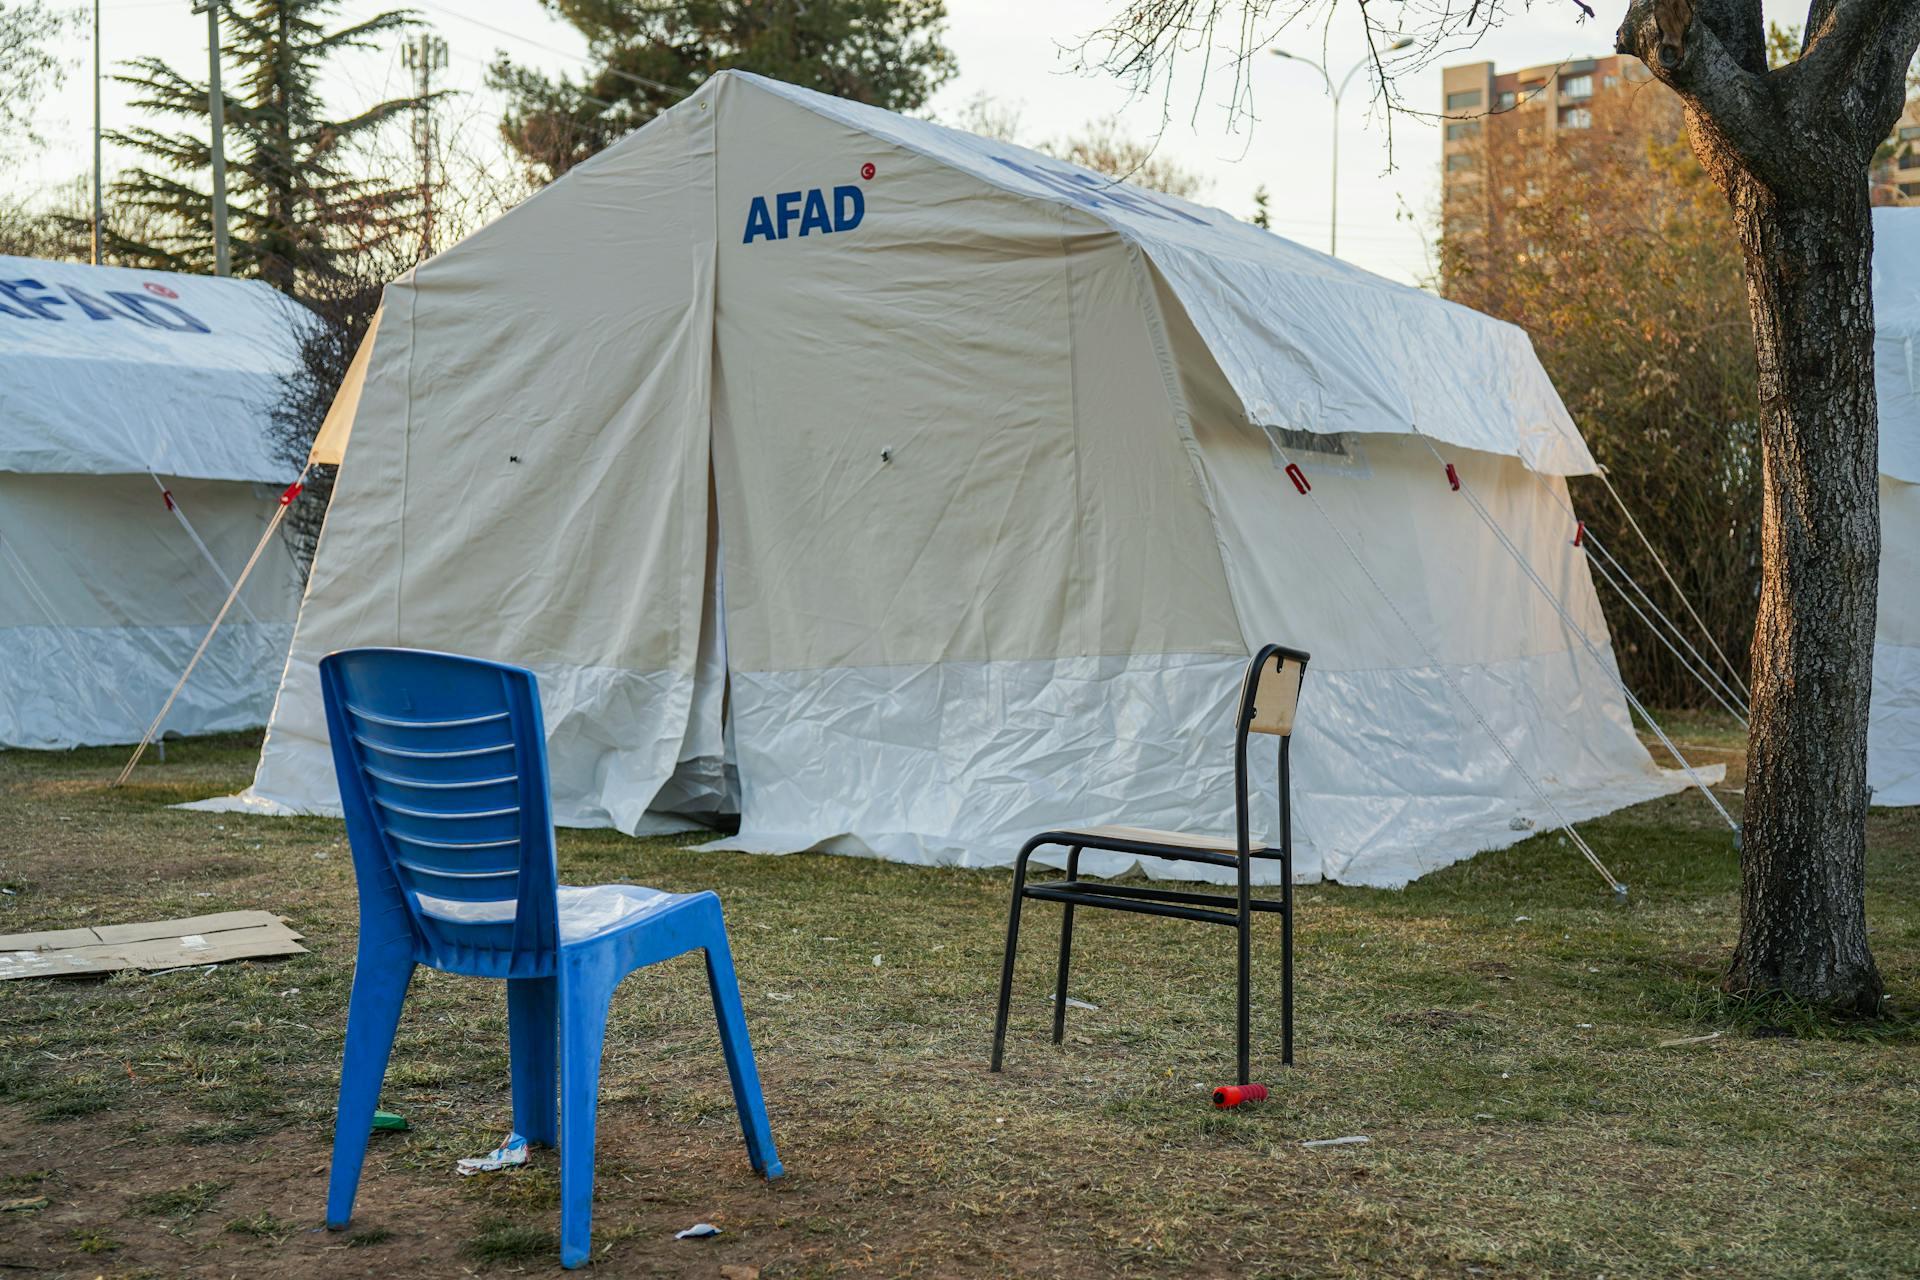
(64, 687)
(1893, 726)
(104, 598)
(958, 764)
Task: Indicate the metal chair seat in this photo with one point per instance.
(1269, 697)
(1132, 839)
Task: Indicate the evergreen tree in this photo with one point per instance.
(295, 205)
(652, 53)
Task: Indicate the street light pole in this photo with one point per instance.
(1333, 91)
(216, 106)
(97, 203)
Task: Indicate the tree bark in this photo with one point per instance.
(1803, 928)
(1790, 148)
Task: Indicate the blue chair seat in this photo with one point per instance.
(442, 764)
(586, 912)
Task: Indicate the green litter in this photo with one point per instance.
(389, 1120)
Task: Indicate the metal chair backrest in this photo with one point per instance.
(1270, 694)
(1269, 700)
(442, 766)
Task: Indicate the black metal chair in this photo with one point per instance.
(1269, 695)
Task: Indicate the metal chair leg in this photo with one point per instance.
(1006, 965)
(1066, 951)
(1245, 1011)
(1286, 960)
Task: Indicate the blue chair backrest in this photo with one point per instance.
(442, 765)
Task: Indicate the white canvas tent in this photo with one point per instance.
(135, 478)
(912, 492)
(1893, 736)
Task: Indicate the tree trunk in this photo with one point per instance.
(1809, 260)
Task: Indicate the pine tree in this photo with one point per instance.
(652, 53)
(295, 204)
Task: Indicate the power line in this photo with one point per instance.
(553, 49)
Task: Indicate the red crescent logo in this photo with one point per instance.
(867, 171)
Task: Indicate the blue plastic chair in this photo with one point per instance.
(442, 765)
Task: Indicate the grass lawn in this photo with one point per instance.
(1502, 1032)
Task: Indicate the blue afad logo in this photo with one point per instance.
(809, 209)
(26, 299)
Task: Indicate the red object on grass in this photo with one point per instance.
(1232, 1095)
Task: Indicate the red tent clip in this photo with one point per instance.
(293, 491)
(1579, 532)
(1453, 477)
(166, 496)
(1298, 477)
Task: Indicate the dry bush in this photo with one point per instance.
(1614, 252)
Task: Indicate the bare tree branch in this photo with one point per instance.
(1681, 43)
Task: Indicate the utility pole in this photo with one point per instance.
(424, 55)
(97, 204)
(217, 107)
(1334, 91)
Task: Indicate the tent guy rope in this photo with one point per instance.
(180, 514)
(1586, 538)
(1712, 692)
(1586, 641)
(1560, 819)
(1745, 693)
(291, 492)
(1699, 668)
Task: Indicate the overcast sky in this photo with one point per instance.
(1009, 50)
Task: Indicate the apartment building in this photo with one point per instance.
(1896, 170)
(1518, 114)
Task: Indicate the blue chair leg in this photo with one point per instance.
(533, 1040)
(373, 1016)
(741, 1072)
(586, 990)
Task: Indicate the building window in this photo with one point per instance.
(1467, 98)
(1908, 160)
(1470, 129)
(1908, 132)
(1609, 82)
(1910, 188)
(1576, 87)
(1576, 118)
(1458, 160)
(1503, 101)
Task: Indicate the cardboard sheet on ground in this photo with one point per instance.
(158, 944)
